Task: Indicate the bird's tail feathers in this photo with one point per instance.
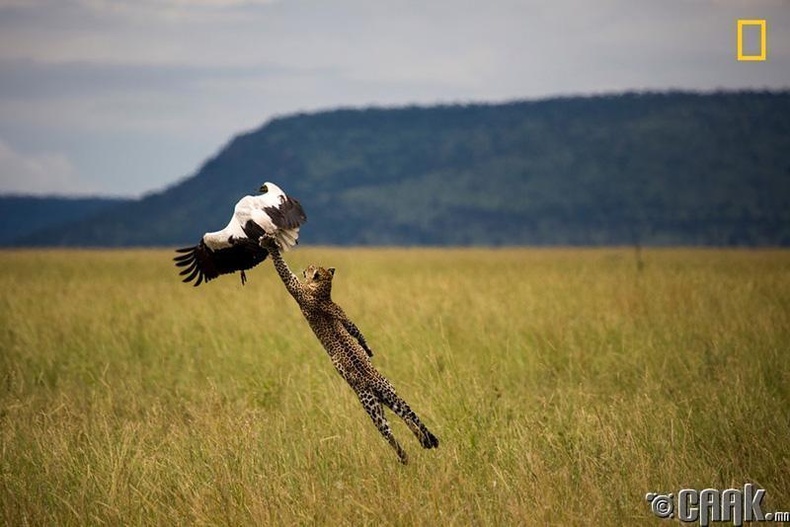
(287, 238)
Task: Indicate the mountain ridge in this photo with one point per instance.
(24, 215)
(650, 168)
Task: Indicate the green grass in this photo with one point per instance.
(563, 385)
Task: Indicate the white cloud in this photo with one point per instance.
(20, 4)
(173, 10)
(162, 83)
(42, 173)
(183, 4)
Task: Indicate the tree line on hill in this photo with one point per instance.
(670, 168)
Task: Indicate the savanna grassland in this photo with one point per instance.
(563, 385)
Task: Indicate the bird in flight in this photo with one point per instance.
(236, 247)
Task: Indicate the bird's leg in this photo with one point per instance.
(243, 277)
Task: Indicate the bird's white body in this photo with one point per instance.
(253, 208)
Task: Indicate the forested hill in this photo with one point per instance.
(668, 168)
(33, 216)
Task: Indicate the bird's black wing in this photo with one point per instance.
(203, 264)
(288, 214)
(253, 231)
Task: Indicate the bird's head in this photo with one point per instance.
(269, 187)
(319, 280)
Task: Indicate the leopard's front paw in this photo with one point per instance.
(267, 241)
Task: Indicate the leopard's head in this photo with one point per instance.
(319, 280)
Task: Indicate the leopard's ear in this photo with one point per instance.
(331, 271)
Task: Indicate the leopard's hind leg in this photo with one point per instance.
(399, 406)
(373, 407)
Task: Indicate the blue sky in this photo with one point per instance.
(126, 97)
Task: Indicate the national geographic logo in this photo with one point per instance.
(752, 40)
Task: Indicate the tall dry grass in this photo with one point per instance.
(563, 385)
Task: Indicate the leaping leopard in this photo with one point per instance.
(347, 348)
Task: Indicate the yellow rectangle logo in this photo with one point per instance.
(763, 39)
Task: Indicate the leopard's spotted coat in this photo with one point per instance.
(348, 349)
